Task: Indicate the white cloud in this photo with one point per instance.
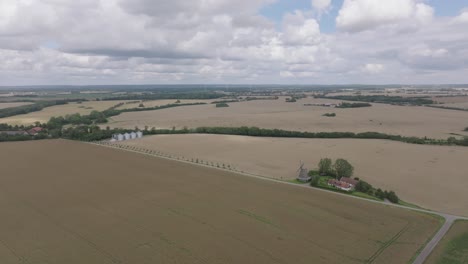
(321, 6)
(462, 18)
(373, 68)
(359, 15)
(299, 30)
(203, 41)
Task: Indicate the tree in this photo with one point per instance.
(343, 168)
(392, 197)
(325, 166)
(364, 187)
(141, 105)
(314, 180)
(380, 194)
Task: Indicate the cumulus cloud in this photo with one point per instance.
(203, 41)
(373, 68)
(321, 6)
(359, 15)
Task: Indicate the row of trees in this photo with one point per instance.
(261, 132)
(399, 100)
(353, 105)
(366, 187)
(37, 106)
(158, 96)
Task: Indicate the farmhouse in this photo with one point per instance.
(340, 185)
(350, 181)
(35, 130)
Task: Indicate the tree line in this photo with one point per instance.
(158, 96)
(353, 105)
(37, 106)
(398, 100)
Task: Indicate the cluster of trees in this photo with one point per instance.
(225, 101)
(366, 187)
(398, 100)
(222, 105)
(353, 105)
(291, 100)
(37, 106)
(89, 132)
(329, 114)
(341, 168)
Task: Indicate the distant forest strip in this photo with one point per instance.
(158, 96)
(396, 100)
(448, 107)
(37, 106)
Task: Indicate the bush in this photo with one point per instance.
(380, 194)
(222, 105)
(315, 180)
(392, 197)
(329, 115)
(353, 105)
(363, 186)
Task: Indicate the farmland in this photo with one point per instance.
(415, 172)
(277, 114)
(131, 208)
(59, 110)
(453, 248)
(7, 105)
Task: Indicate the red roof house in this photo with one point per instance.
(353, 182)
(35, 130)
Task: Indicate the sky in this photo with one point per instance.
(88, 42)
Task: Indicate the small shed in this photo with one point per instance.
(127, 136)
(133, 135)
(139, 134)
(120, 137)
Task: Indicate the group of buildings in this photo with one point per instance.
(30, 132)
(344, 184)
(127, 136)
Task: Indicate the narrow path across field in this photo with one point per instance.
(449, 219)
